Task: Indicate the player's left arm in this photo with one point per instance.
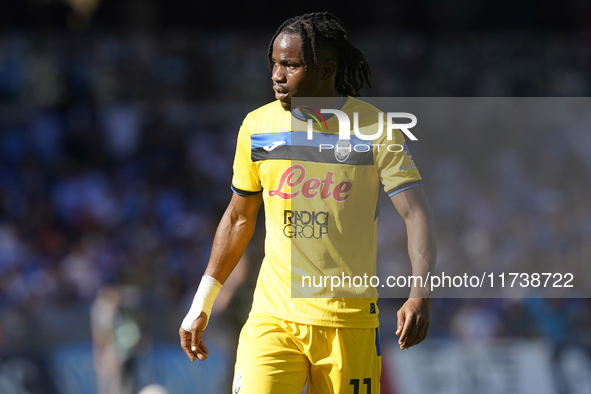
(415, 315)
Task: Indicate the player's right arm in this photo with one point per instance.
(231, 238)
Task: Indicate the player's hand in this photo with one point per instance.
(414, 318)
(191, 341)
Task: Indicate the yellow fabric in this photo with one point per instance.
(275, 356)
(342, 196)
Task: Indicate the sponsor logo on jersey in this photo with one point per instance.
(293, 183)
(275, 144)
(305, 224)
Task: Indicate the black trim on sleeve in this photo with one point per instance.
(404, 186)
(244, 193)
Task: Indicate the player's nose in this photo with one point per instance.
(278, 74)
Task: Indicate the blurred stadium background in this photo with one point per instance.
(117, 129)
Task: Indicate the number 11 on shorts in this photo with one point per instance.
(355, 384)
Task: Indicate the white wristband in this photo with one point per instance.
(203, 301)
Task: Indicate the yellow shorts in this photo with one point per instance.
(278, 357)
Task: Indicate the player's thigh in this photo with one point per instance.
(268, 361)
(353, 367)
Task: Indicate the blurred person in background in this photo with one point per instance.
(116, 335)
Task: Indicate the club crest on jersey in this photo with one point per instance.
(342, 150)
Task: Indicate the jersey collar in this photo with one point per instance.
(339, 105)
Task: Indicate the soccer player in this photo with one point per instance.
(331, 342)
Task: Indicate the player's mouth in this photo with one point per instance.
(280, 92)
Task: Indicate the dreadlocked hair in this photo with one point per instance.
(324, 30)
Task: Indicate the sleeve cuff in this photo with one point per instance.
(244, 193)
(403, 187)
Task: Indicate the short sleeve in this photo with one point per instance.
(396, 168)
(245, 181)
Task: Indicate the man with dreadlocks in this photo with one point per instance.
(331, 342)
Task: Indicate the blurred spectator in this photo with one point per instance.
(116, 335)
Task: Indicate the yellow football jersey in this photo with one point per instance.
(320, 197)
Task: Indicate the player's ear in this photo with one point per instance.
(328, 69)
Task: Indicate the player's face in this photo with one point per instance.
(290, 78)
